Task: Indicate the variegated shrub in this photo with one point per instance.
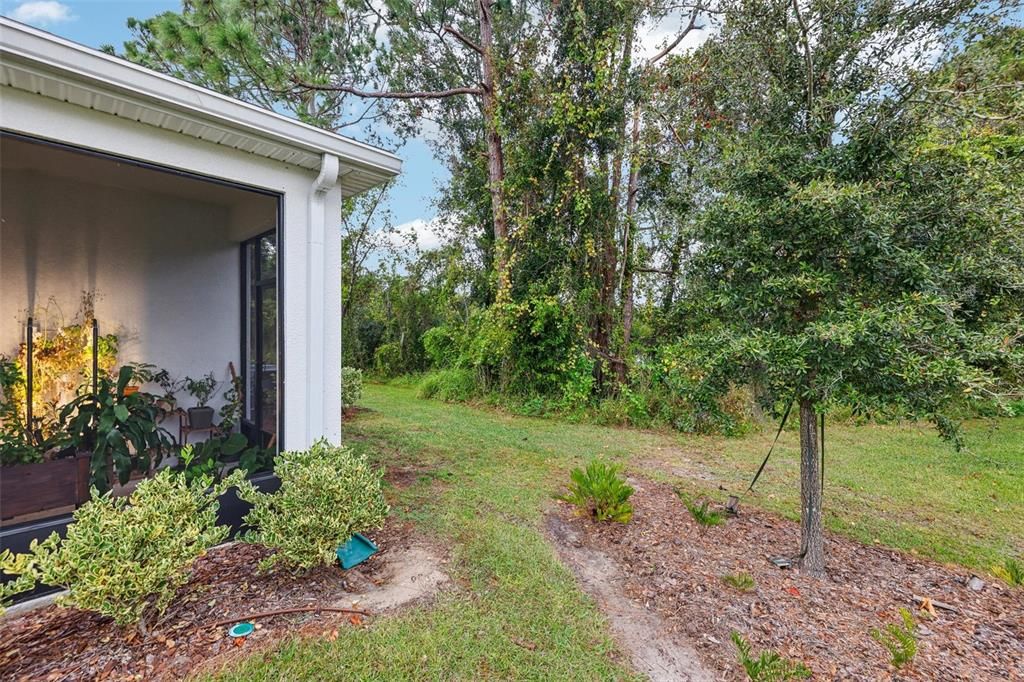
(351, 386)
(126, 557)
(327, 493)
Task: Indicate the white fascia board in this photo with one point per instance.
(52, 56)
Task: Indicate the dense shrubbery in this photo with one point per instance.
(126, 557)
(327, 493)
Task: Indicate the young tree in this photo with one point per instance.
(831, 265)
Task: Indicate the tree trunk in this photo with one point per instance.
(675, 258)
(812, 546)
(495, 152)
(628, 243)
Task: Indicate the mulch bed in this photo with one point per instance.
(56, 643)
(674, 569)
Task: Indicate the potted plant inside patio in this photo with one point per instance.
(202, 389)
(120, 430)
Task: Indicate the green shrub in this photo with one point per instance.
(1011, 572)
(600, 492)
(769, 666)
(744, 582)
(387, 359)
(351, 386)
(441, 344)
(1016, 408)
(899, 639)
(449, 385)
(327, 493)
(703, 516)
(126, 557)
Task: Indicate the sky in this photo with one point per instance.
(98, 22)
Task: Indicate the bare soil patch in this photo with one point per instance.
(354, 411)
(673, 568)
(54, 643)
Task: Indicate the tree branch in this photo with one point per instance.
(675, 43)
(374, 94)
(808, 57)
(464, 40)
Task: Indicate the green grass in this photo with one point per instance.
(517, 613)
(895, 485)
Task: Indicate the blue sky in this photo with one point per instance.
(98, 22)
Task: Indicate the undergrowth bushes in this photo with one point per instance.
(528, 357)
(449, 385)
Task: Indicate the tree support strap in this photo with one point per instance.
(778, 433)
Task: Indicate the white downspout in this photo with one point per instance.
(315, 299)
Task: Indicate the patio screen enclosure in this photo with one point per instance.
(181, 270)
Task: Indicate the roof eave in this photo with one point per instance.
(38, 54)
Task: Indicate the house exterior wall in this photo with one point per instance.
(165, 270)
(308, 302)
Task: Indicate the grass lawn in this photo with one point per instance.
(487, 477)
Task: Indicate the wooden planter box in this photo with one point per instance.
(31, 488)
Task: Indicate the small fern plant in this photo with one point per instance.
(744, 582)
(1011, 572)
(899, 639)
(601, 492)
(704, 516)
(769, 666)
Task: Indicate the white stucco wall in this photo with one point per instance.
(309, 303)
(164, 269)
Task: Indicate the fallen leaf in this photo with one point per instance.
(792, 590)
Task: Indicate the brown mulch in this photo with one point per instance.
(674, 568)
(55, 643)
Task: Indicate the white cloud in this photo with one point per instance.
(42, 12)
(428, 234)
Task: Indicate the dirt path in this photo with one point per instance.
(654, 648)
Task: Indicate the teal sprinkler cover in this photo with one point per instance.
(358, 549)
(241, 630)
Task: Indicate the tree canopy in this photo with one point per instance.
(817, 202)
